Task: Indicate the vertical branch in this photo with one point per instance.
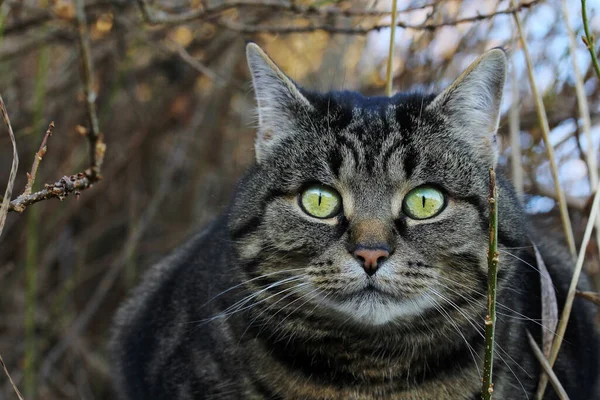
(514, 126)
(388, 75)
(487, 387)
(582, 103)
(543, 119)
(93, 135)
(588, 39)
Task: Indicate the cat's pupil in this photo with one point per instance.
(320, 196)
(423, 199)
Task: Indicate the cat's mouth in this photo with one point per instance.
(370, 291)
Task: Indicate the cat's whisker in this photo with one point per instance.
(444, 314)
(297, 308)
(250, 280)
(479, 328)
(502, 305)
(524, 262)
(270, 306)
(240, 305)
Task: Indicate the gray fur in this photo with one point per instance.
(269, 302)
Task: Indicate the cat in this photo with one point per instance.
(351, 262)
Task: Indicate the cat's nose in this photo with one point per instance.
(371, 258)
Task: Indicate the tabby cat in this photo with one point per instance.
(351, 263)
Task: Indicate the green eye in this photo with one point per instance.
(423, 202)
(320, 201)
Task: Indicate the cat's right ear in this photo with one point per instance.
(278, 98)
(472, 103)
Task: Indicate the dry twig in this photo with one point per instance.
(588, 39)
(13, 169)
(97, 146)
(543, 120)
(75, 183)
(212, 12)
(566, 312)
(153, 16)
(390, 60)
(36, 161)
(15, 388)
(590, 296)
(562, 394)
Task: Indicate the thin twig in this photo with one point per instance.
(487, 387)
(515, 130)
(58, 190)
(562, 394)
(173, 163)
(390, 61)
(153, 16)
(590, 296)
(197, 65)
(429, 26)
(582, 103)
(588, 39)
(543, 120)
(36, 161)
(584, 111)
(97, 146)
(13, 169)
(75, 183)
(16, 389)
(566, 312)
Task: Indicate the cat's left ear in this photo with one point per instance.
(472, 103)
(279, 101)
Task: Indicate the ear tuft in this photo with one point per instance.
(472, 103)
(278, 99)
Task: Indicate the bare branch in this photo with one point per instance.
(159, 17)
(36, 161)
(285, 29)
(59, 190)
(97, 146)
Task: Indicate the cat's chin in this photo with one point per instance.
(375, 308)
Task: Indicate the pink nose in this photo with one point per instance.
(371, 259)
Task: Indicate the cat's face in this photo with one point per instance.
(373, 209)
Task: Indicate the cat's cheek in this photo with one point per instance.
(286, 230)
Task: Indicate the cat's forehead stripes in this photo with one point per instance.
(377, 141)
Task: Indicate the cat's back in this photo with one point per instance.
(167, 323)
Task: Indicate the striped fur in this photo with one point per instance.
(268, 302)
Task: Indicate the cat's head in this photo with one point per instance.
(371, 208)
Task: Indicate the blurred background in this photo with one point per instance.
(176, 109)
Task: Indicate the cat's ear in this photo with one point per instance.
(278, 101)
(472, 103)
